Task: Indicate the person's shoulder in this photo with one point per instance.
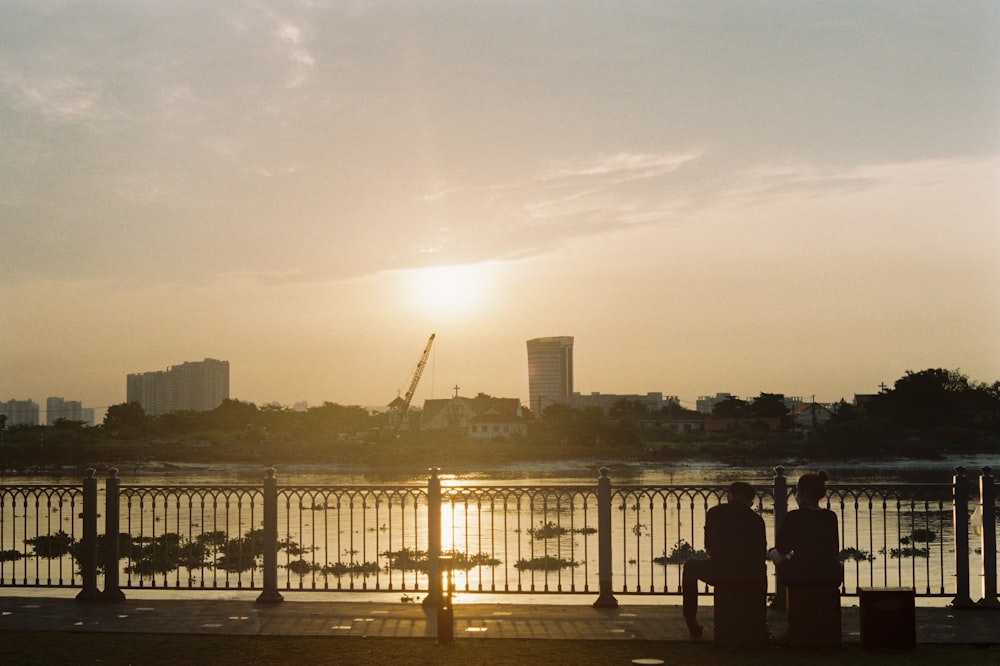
(717, 509)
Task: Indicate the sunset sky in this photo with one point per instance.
(795, 197)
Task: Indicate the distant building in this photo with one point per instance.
(605, 401)
(863, 401)
(810, 415)
(706, 403)
(482, 417)
(20, 412)
(198, 386)
(550, 371)
(67, 410)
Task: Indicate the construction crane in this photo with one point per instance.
(405, 406)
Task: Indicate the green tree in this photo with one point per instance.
(628, 409)
(125, 416)
(332, 418)
(768, 405)
(925, 399)
(731, 408)
(234, 415)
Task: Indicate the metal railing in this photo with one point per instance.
(600, 538)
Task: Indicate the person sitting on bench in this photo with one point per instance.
(807, 548)
(736, 541)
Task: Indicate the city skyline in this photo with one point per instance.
(709, 197)
(557, 344)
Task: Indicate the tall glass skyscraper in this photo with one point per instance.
(550, 371)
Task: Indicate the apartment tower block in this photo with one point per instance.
(198, 386)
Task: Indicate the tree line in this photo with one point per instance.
(924, 413)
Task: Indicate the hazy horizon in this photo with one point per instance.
(686, 401)
(796, 198)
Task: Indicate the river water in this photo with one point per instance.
(647, 522)
(564, 472)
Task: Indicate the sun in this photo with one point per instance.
(448, 290)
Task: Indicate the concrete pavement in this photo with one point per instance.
(390, 616)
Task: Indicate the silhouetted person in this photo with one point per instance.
(807, 548)
(736, 541)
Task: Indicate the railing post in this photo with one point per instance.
(88, 545)
(433, 597)
(780, 511)
(960, 520)
(112, 528)
(445, 610)
(988, 510)
(269, 594)
(605, 597)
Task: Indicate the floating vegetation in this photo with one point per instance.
(340, 569)
(919, 535)
(10, 555)
(53, 545)
(417, 560)
(292, 548)
(407, 559)
(301, 567)
(551, 530)
(680, 553)
(161, 554)
(212, 539)
(545, 563)
(466, 562)
(908, 551)
(168, 552)
(856, 555)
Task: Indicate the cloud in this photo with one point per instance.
(55, 97)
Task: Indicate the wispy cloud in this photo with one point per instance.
(292, 37)
(627, 166)
(56, 97)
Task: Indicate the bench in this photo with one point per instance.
(813, 616)
(740, 614)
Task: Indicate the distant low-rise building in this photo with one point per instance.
(864, 401)
(706, 403)
(482, 417)
(653, 401)
(810, 415)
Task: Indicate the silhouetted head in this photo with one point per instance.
(742, 491)
(812, 486)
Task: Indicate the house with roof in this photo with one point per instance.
(482, 417)
(810, 415)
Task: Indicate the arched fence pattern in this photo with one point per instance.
(600, 539)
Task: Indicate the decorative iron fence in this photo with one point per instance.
(562, 539)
